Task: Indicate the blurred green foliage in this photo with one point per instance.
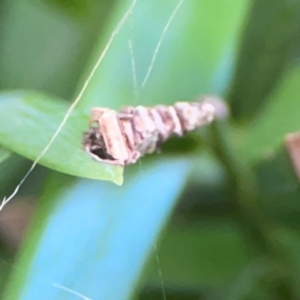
(223, 200)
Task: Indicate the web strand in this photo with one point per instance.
(134, 77)
(133, 65)
(163, 290)
(73, 105)
(71, 291)
(160, 41)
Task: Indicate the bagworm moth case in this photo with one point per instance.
(122, 137)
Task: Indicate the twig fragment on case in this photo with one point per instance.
(122, 137)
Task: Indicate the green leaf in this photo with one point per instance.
(4, 154)
(270, 40)
(94, 238)
(28, 120)
(265, 135)
(54, 54)
(80, 9)
(6, 265)
(192, 255)
(278, 182)
(195, 57)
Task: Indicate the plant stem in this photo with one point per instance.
(243, 189)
